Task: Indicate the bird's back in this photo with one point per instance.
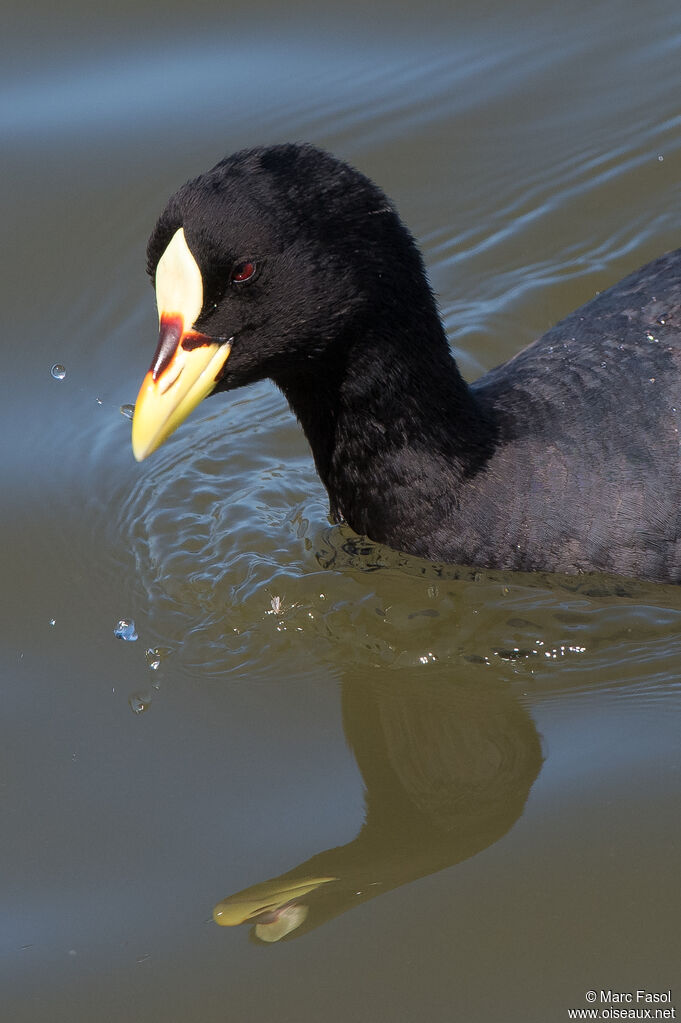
(588, 466)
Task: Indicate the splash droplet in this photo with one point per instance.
(126, 630)
(153, 656)
(58, 371)
(138, 703)
(128, 411)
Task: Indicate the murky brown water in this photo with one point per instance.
(429, 794)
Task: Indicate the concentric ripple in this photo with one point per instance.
(237, 566)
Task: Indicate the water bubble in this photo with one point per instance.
(138, 703)
(58, 371)
(125, 630)
(128, 411)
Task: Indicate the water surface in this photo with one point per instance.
(475, 776)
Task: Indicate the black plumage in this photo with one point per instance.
(566, 458)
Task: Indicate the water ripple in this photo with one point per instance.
(239, 570)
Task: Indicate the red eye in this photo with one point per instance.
(243, 272)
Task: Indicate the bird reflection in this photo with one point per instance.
(447, 767)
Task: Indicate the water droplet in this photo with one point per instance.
(138, 703)
(53, 622)
(153, 656)
(58, 371)
(99, 401)
(128, 411)
(125, 630)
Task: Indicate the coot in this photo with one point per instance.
(285, 262)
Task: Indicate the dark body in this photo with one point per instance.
(565, 459)
(589, 468)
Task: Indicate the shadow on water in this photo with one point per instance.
(447, 768)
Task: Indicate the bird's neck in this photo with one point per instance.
(394, 429)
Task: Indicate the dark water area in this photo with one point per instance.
(415, 791)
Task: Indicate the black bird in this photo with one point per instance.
(284, 262)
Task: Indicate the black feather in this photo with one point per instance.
(564, 459)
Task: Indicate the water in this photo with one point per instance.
(139, 703)
(487, 765)
(125, 630)
(154, 657)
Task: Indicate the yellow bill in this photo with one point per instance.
(187, 364)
